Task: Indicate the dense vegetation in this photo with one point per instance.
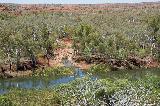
(113, 34)
(103, 37)
(54, 72)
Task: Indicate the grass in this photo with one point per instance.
(100, 69)
(17, 97)
(56, 71)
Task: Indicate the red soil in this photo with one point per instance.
(79, 8)
(67, 52)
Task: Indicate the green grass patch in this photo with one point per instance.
(17, 97)
(100, 69)
(57, 71)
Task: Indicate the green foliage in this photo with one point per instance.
(100, 69)
(57, 71)
(105, 91)
(113, 86)
(6, 16)
(30, 98)
(86, 39)
(154, 23)
(118, 46)
(115, 34)
(4, 101)
(153, 27)
(24, 38)
(142, 52)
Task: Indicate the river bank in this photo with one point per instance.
(66, 52)
(124, 89)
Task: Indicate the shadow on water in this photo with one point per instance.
(39, 83)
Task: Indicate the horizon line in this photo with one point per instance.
(81, 3)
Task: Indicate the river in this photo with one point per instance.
(41, 83)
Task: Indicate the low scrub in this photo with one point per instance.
(58, 71)
(117, 92)
(100, 68)
(30, 98)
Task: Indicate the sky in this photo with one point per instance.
(73, 1)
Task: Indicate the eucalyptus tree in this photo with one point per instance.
(28, 43)
(7, 43)
(82, 36)
(47, 39)
(87, 41)
(154, 38)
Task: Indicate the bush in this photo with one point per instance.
(116, 92)
(32, 98)
(100, 69)
(57, 71)
(4, 101)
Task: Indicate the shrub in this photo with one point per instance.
(100, 69)
(57, 71)
(5, 101)
(32, 98)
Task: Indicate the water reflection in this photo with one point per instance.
(3, 91)
(40, 83)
